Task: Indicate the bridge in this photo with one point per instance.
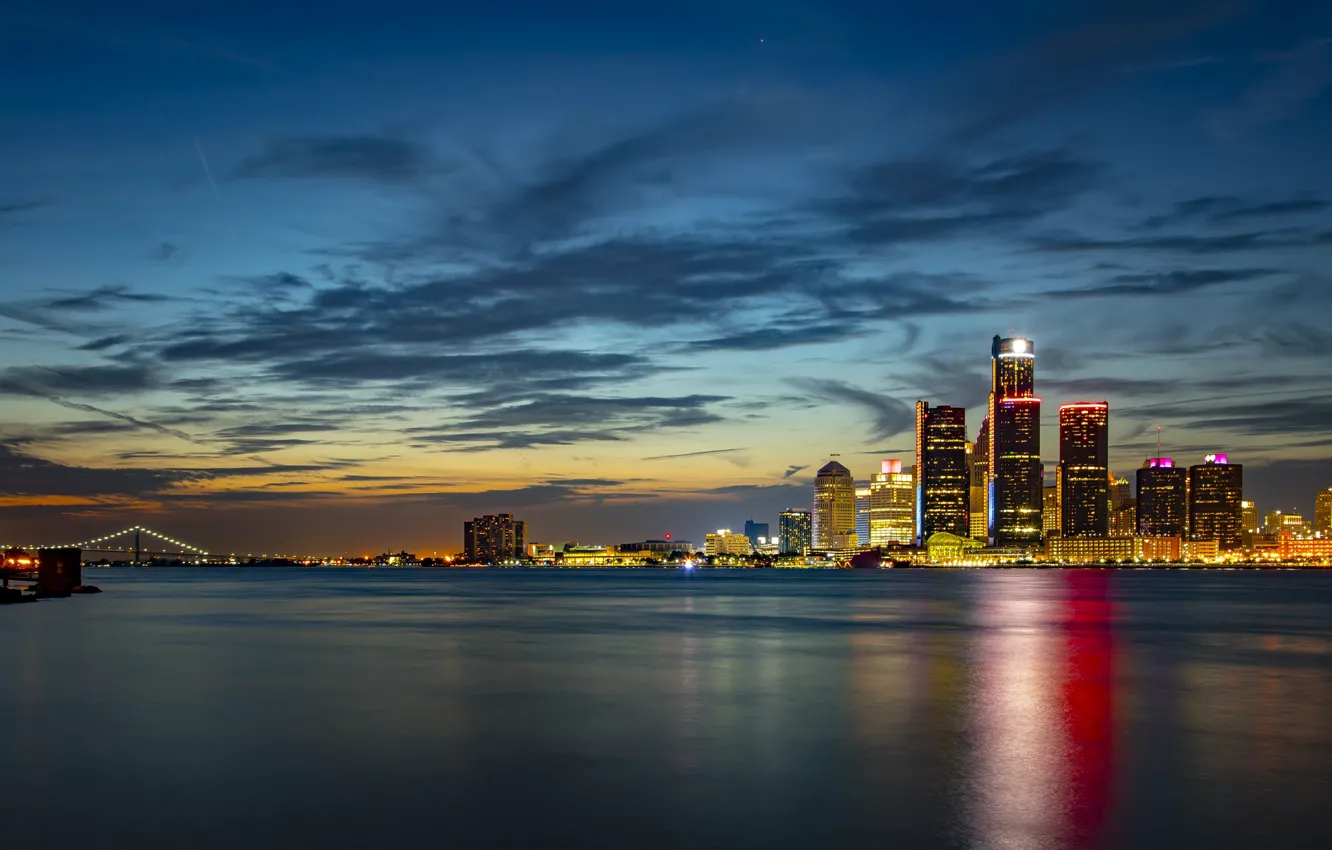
(131, 540)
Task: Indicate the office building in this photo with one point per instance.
(1083, 476)
(1163, 506)
(943, 489)
(862, 513)
(657, 548)
(726, 542)
(1050, 510)
(978, 472)
(1121, 492)
(795, 529)
(1323, 511)
(892, 506)
(1091, 550)
(494, 539)
(1216, 489)
(1016, 482)
(1124, 520)
(1249, 515)
(755, 530)
(834, 508)
(1278, 520)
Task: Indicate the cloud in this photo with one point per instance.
(1294, 80)
(375, 158)
(101, 298)
(24, 474)
(888, 416)
(694, 454)
(1092, 49)
(1177, 282)
(16, 207)
(793, 469)
(111, 380)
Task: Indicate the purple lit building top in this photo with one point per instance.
(1161, 463)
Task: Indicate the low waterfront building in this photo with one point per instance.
(1294, 547)
(1092, 550)
(726, 542)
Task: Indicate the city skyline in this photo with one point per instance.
(340, 288)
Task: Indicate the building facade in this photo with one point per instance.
(862, 513)
(978, 471)
(1050, 510)
(796, 532)
(1292, 546)
(1162, 499)
(943, 489)
(834, 507)
(1124, 520)
(1249, 516)
(1216, 491)
(726, 542)
(755, 530)
(494, 539)
(1016, 482)
(1323, 511)
(892, 506)
(1083, 476)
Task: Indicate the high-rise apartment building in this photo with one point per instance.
(892, 506)
(756, 530)
(1216, 489)
(942, 487)
(1323, 511)
(1124, 520)
(1083, 476)
(1016, 482)
(494, 539)
(795, 528)
(834, 508)
(1162, 499)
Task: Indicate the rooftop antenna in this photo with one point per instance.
(1158, 442)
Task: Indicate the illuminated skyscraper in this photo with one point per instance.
(862, 513)
(942, 486)
(892, 506)
(1216, 489)
(796, 532)
(1016, 483)
(978, 471)
(1323, 511)
(1249, 516)
(834, 507)
(1050, 510)
(1162, 499)
(1084, 469)
(1121, 492)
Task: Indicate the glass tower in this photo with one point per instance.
(1084, 469)
(1016, 483)
(834, 507)
(943, 489)
(1162, 498)
(1216, 496)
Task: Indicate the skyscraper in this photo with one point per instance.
(493, 539)
(834, 507)
(1323, 511)
(862, 513)
(1050, 510)
(942, 486)
(1015, 445)
(795, 529)
(978, 471)
(1121, 492)
(1162, 500)
(892, 508)
(1216, 489)
(755, 530)
(1084, 469)
(1249, 516)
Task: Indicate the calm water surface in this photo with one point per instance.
(342, 708)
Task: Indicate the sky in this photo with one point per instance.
(279, 279)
